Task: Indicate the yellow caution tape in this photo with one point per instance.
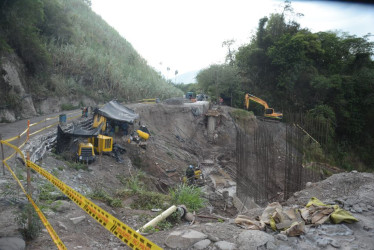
(73, 117)
(51, 118)
(40, 130)
(36, 123)
(24, 132)
(51, 231)
(9, 157)
(72, 113)
(13, 138)
(15, 148)
(125, 233)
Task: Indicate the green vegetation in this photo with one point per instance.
(142, 198)
(68, 106)
(168, 223)
(69, 50)
(48, 192)
(100, 194)
(242, 114)
(77, 165)
(148, 200)
(32, 231)
(328, 76)
(189, 196)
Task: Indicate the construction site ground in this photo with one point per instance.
(179, 137)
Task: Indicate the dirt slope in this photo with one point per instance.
(179, 137)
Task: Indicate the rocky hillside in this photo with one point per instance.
(58, 54)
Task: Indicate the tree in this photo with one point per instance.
(221, 81)
(176, 73)
(230, 52)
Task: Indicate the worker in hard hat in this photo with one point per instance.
(190, 174)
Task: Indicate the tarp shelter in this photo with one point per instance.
(116, 111)
(65, 139)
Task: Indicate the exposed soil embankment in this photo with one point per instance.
(180, 137)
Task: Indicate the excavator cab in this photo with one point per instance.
(269, 111)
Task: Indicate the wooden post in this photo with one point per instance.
(28, 130)
(101, 166)
(2, 154)
(19, 144)
(29, 189)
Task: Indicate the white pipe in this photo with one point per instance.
(159, 218)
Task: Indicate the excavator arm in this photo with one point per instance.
(269, 112)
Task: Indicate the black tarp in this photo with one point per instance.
(65, 138)
(116, 111)
(82, 132)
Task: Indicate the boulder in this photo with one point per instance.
(225, 245)
(184, 239)
(61, 206)
(202, 244)
(12, 243)
(252, 239)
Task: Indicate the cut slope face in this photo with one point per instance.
(180, 138)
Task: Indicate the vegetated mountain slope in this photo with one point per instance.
(70, 51)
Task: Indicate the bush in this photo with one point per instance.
(29, 232)
(189, 196)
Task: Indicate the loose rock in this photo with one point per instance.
(60, 224)
(202, 244)
(225, 245)
(61, 206)
(77, 220)
(184, 239)
(12, 243)
(252, 239)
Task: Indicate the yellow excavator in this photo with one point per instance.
(268, 113)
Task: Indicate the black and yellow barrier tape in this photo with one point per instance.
(48, 226)
(125, 233)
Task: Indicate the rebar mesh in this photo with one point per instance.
(276, 160)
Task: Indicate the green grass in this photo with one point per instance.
(46, 192)
(241, 114)
(148, 200)
(77, 165)
(100, 194)
(189, 196)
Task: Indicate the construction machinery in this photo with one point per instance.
(194, 176)
(102, 143)
(268, 112)
(85, 152)
(99, 144)
(191, 96)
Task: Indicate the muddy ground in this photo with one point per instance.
(179, 137)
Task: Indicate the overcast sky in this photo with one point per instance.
(187, 35)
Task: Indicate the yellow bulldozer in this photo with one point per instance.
(100, 144)
(268, 112)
